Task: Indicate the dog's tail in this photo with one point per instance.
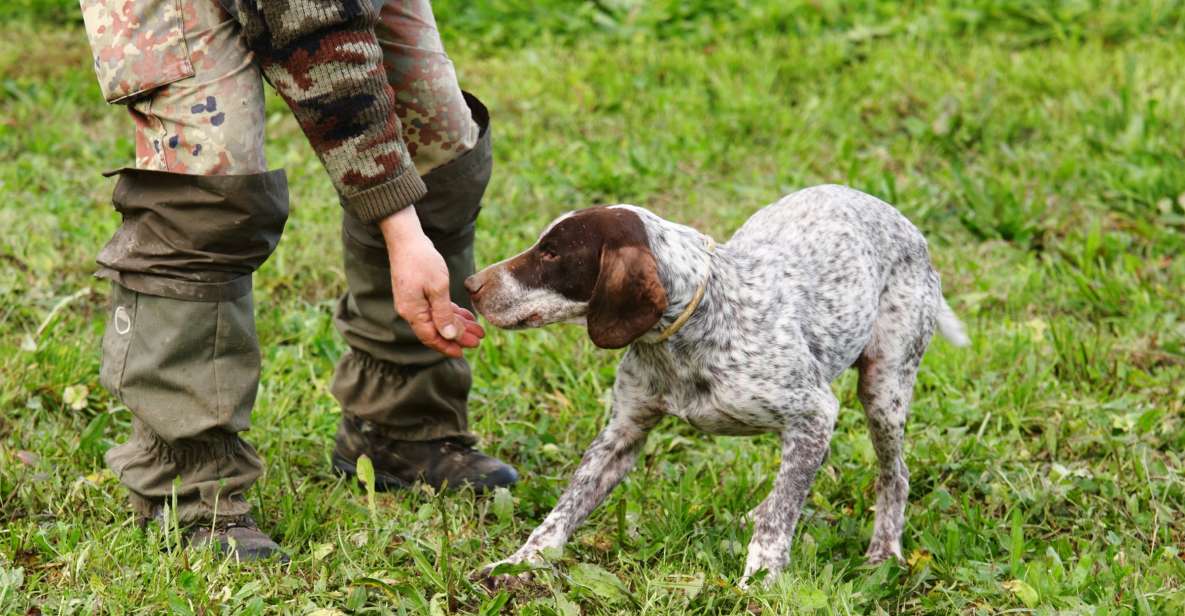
(951, 327)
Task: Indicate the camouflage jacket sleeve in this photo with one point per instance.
(325, 61)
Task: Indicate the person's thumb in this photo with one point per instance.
(442, 313)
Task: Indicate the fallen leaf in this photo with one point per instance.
(812, 599)
(12, 579)
(438, 604)
(691, 585)
(75, 397)
(600, 582)
(565, 606)
(1037, 327)
(365, 469)
(321, 550)
(99, 477)
(1027, 594)
(503, 505)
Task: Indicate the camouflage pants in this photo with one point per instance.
(201, 213)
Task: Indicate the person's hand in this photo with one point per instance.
(420, 287)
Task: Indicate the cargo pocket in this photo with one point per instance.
(137, 45)
(117, 339)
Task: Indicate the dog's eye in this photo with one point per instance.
(548, 254)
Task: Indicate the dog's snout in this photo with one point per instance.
(474, 283)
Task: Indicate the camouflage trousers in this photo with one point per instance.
(201, 213)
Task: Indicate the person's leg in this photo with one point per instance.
(200, 214)
(404, 404)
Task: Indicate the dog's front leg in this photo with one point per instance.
(805, 442)
(610, 456)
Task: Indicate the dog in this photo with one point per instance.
(738, 339)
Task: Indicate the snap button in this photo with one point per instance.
(123, 322)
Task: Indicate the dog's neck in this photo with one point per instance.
(688, 261)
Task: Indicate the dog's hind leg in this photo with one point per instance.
(888, 369)
(805, 443)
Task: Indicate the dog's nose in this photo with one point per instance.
(474, 283)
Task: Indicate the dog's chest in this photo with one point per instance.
(718, 405)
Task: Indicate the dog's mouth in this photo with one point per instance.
(503, 321)
(529, 321)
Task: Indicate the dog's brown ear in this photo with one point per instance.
(628, 298)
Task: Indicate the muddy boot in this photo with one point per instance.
(440, 463)
(238, 537)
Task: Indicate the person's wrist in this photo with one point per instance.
(401, 226)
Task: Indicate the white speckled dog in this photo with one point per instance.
(742, 338)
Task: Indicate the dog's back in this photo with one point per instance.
(829, 223)
(838, 261)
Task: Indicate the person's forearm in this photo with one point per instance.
(325, 61)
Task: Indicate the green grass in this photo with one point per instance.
(1039, 146)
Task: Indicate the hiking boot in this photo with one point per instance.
(249, 543)
(440, 463)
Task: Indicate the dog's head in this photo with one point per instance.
(592, 266)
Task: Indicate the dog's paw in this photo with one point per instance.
(760, 573)
(758, 580)
(509, 574)
(513, 583)
(881, 551)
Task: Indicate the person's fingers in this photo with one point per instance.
(472, 335)
(415, 310)
(475, 328)
(425, 330)
(469, 321)
(471, 332)
(441, 306)
(464, 312)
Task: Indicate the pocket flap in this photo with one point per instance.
(137, 45)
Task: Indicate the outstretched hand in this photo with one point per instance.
(420, 288)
